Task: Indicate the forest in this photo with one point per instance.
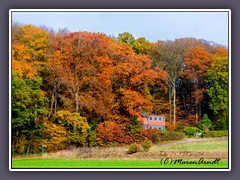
(79, 89)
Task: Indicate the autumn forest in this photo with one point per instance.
(80, 88)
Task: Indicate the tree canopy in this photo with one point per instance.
(81, 88)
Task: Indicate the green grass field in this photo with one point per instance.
(56, 163)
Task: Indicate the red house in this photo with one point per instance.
(151, 121)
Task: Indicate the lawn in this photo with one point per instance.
(59, 163)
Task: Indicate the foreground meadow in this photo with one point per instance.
(63, 163)
(184, 152)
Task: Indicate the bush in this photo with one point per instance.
(133, 148)
(151, 134)
(108, 133)
(217, 133)
(146, 145)
(191, 131)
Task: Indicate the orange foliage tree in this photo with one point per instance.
(80, 64)
(197, 62)
(108, 133)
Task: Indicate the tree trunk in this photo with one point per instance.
(170, 101)
(55, 92)
(28, 150)
(200, 110)
(174, 104)
(196, 113)
(184, 102)
(76, 77)
(55, 104)
(53, 101)
(35, 113)
(77, 98)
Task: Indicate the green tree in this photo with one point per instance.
(218, 91)
(126, 38)
(135, 128)
(28, 110)
(205, 123)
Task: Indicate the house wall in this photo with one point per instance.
(156, 118)
(147, 126)
(157, 127)
(154, 122)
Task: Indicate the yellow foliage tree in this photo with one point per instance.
(54, 136)
(76, 126)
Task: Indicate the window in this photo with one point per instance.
(160, 119)
(150, 118)
(162, 128)
(155, 119)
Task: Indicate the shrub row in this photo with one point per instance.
(171, 135)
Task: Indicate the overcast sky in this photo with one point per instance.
(211, 26)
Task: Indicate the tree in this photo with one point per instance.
(20, 61)
(76, 126)
(109, 132)
(218, 91)
(220, 52)
(36, 41)
(81, 65)
(54, 136)
(131, 77)
(126, 38)
(29, 50)
(197, 62)
(205, 123)
(28, 110)
(169, 55)
(29, 103)
(142, 46)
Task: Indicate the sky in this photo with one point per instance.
(154, 26)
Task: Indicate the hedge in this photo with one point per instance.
(216, 133)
